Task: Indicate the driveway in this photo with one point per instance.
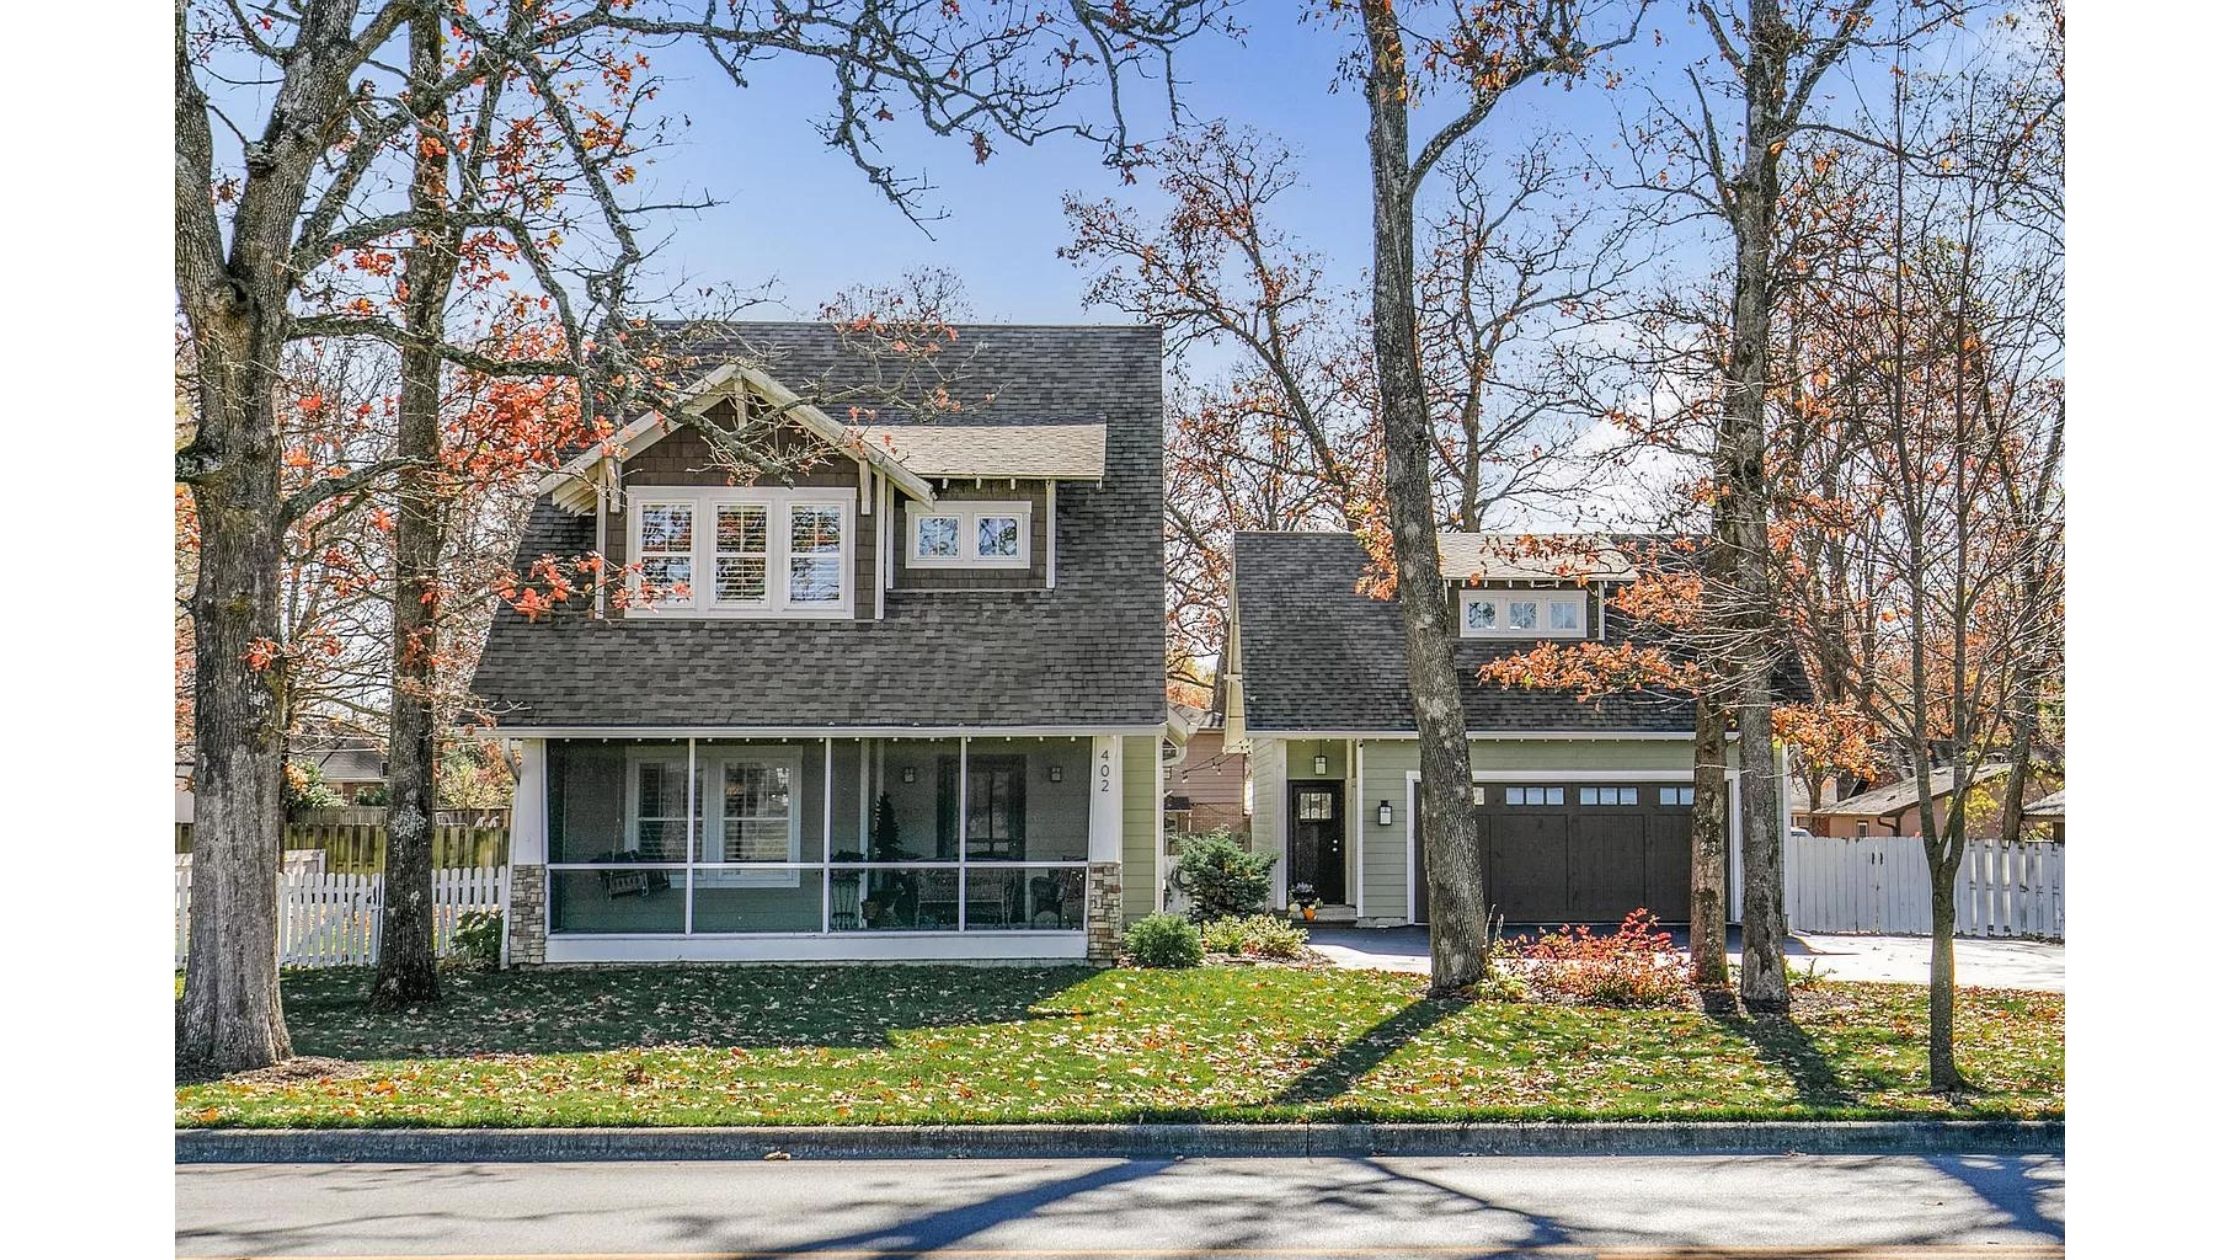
(1992, 964)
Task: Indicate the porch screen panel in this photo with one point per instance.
(1026, 800)
(729, 837)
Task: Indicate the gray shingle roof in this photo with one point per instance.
(1318, 656)
(1089, 653)
(1901, 794)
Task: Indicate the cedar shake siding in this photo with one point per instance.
(955, 648)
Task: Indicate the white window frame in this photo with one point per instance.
(633, 762)
(719, 871)
(1501, 599)
(969, 513)
(777, 504)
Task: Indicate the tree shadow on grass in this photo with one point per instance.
(1780, 1043)
(1341, 1070)
(578, 1010)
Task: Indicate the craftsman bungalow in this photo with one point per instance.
(1583, 807)
(904, 703)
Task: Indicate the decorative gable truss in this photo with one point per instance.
(758, 551)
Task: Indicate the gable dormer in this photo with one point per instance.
(865, 509)
(1529, 588)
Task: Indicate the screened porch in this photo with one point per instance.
(817, 836)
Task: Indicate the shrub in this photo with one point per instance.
(1632, 967)
(305, 786)
(1222, 936)
(1254, 936)
(1223, 878)
(474, 943)
(1163, 940)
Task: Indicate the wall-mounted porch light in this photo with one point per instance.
(1384, 813)
(909, 774)
(1057, 774)
(1321, 764)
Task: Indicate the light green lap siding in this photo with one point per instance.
(1386, 765)
(1140, 819)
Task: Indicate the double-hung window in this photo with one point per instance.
(1524, 614)
(741, 552)
(969, 534)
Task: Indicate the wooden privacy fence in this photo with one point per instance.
(333, 919)
(355, 840)
(1881, 884)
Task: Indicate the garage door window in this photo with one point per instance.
(1532, 796)
(1676, 796)
(1609, 796)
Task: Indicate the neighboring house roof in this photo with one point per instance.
(1465, 557)
(1902, 795)
(349, 763)
(1317, 655)
(1087, 654)
(2051, 805)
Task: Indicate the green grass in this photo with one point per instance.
(917, 1045)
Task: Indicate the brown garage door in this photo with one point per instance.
(1567, 852)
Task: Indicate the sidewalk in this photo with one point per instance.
(1996, 964)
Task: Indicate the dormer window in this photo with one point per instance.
(970, 535)
(721, 551)
(1524, 614)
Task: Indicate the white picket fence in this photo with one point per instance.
(330, 920)
(1881, 884)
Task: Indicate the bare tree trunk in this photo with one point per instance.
(1944, 1071)
(1707, 861)
(406, 972)
(1739, 518)
(2017, 786)
(230, 1019)
(1450, 837)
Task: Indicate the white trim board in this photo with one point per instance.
(810, 732)
(1014, 945)
(572, 491)
(1400, 736)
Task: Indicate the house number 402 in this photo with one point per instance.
(1104, 770)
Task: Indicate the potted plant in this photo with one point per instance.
(1304, 901)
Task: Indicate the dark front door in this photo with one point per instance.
(1318, 838)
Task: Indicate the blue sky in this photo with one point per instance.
(798, 212)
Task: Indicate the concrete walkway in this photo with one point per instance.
(1995, 964)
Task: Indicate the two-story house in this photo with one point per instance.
(1583, 807)
(903, 703)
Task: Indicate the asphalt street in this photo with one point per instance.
(1698, 1206)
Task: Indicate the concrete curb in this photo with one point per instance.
(1129, 1141)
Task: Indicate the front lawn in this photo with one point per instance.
(919, 1045)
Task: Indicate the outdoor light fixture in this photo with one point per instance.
(1057, 774)
(909, 774)
(1384, 813)
(1321, 764)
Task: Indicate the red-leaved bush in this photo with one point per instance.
(1634, 966)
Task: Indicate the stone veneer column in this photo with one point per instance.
(525, 917)
(1101, 915)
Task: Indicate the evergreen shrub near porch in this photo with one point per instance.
(678, 1045)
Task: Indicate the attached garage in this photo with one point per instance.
(1565, 851)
